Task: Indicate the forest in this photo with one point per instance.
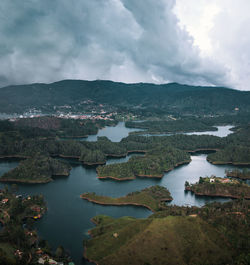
(161, 153)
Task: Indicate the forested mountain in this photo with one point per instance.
(171, 98)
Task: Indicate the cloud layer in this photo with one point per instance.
(121, 40)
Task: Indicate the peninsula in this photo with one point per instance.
(219, 187)
(152, 198)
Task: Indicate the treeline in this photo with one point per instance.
(180, 125)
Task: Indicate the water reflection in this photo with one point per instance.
(115, 134)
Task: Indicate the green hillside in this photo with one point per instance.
(171, 97)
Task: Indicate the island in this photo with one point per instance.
(213, 234)
(236, 173)
(39, 169)
(219, 187)
(152, 198)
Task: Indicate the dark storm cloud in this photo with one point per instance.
(122, 40)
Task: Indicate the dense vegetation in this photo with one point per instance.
(162, 153)
(219, 187)
(214, 234)
(152, 198)
(182, 125)
(39, 169)
(241, 174)
(153, 164)
(63, 127)
(140, 98)
(231, 154)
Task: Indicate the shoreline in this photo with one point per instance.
(15, 156)
(85, 248)
(119, 203)
(202, 150)
(152, 133)
(216, 195)
(228, 163)
(26, 182)
(116, 178)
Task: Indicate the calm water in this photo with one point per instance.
(115, 134)
(67, 220)
(222, 132)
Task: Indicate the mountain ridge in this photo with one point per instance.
(171, 97)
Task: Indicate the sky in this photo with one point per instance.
(205, 42)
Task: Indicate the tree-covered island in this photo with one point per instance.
(39, 169)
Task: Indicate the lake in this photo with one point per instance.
(68, 218)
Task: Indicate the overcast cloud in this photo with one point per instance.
(125, 40)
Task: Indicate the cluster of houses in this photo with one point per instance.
(213, 179)
(102, 116)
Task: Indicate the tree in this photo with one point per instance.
(60, 252)
(201, 180)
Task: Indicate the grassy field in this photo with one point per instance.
(168, 240)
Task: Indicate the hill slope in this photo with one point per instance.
(171, 97)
